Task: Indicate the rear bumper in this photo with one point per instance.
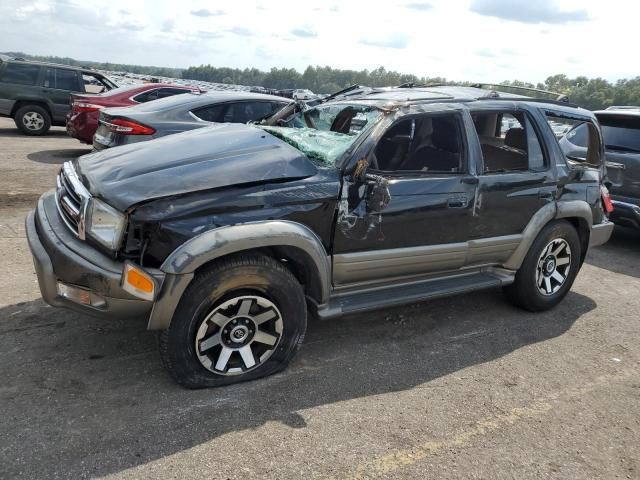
(82, 126)
(600, 233)
(58, 256)
(625, 214)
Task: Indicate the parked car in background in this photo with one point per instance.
(123, 126)
(225, 237)
(36, 94)
(621, 133)
(82, 120)
(302, 94)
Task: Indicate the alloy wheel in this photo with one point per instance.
(33, 121)
(554, 265)
(239, 335)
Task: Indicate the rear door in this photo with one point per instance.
(516, 179)
(57, 86)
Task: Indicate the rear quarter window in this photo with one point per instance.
(20, 74)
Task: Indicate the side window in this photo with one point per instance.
(211, 113)
(578, 136)
(92, 84)
(509, 142)
(21, 73)
(169, 92)
(276, 106)
(67, 80)
(62, 79)
(146, 96)
(429, 144)
(581, 142)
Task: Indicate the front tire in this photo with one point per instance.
(242, 319)
(548, 270)
(33, 120)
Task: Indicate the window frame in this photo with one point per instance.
(464, 144)
(529, 121)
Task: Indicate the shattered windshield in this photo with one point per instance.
(325, 132)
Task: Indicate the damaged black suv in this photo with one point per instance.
(226, 237)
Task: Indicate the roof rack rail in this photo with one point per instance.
(497, 88)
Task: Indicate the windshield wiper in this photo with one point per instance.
(622, 148)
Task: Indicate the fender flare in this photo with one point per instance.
(181, 264)
(551, 211)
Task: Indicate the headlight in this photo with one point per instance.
(104, 224)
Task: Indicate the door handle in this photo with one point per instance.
(457, 202)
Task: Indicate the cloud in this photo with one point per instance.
(391, 40)
(528, 11)
(167, 25)
(203, 12)
(208, 35)
(422, 6)
(304, 32)
(485, 52)
(131, 26)
(242, 31)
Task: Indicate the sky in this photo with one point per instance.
(474, 40)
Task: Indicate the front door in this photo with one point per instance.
(411, 213)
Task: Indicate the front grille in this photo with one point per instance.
(71, 199)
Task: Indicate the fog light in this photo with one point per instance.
(79, 295)
(138, 282)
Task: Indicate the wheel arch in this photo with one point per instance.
(576, 212)
(24, 102)
(295, 244)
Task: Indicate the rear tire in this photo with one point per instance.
(548, 270)
(32, 120)
(243, 318)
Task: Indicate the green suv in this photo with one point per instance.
(36, 94)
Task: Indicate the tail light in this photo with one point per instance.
(606, 199)
(86, 107)
(128, 127)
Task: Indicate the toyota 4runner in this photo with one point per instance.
(226, 237)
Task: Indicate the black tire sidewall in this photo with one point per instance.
(248, 277)
(524, 290)
(22, 111)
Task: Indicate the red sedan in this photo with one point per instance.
(82, 120)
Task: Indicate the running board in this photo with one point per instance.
(363, 300)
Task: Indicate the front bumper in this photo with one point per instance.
(600, 233)
(59, 256)
(625, 214)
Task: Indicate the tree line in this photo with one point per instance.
(591, 93)
(112, 67)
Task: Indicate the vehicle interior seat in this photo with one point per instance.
(393, 147)
(442, 154)
(511, 156)
(342, 122)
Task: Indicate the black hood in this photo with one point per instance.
(202, 159)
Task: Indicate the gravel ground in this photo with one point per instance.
(465, 387)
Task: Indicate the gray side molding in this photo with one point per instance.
(226, 240)
(563, 209)
(575, 208)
